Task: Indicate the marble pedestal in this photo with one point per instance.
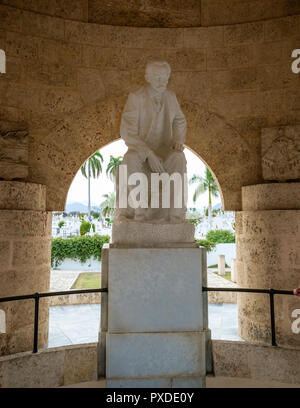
(154, 318)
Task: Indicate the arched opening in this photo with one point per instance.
(86, 273)
(59, 155)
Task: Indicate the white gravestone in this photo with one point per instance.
(221, 265)
(233, 270)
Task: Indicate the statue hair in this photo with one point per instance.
(157, 64)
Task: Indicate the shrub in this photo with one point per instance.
(194, 218)
(221, 237)
(61, 224)
(207, 244)
(77, 248)
(85, 227)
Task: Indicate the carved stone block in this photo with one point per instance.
(13, 154)
(281, 153)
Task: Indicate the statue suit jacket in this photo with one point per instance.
(137, 121)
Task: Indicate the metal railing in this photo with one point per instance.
(37, 296)
(270, 292)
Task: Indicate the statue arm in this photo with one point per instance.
(129, 129)
(179, 126)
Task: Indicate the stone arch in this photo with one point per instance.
(56, 158)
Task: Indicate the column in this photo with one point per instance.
(25, 250)
(268, 256)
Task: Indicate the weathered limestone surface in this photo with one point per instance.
(281, 153)
(232, 80)
(273, 196)
(168, 13)
(148, 13)
(22, 196)
(68, 80)
(237, 359)
(215, 12)
(74, 364)
(13, 154)
(268, 257)
(51, 368)
(25, 247)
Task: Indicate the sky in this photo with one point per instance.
(78, 191)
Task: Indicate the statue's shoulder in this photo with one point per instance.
(139, 92)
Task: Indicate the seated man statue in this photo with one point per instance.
(154, 129)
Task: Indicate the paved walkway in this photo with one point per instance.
(216, 281)
(62, 280)
(73, 325)
(80, 324)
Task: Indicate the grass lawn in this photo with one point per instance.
(226, 276)
(216, 265)
(87, 280)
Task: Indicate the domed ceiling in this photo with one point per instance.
(161, 13)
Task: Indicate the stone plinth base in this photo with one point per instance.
(153, 324)
(151, 235)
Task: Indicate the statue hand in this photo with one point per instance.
(155, 164)
(178, 147)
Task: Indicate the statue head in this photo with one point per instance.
(157, 75)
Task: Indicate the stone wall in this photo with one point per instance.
(68, 82)
(81, 299)
(268, 257)
(266, 364)
(161, 13)
(74, 364)
(51, 368)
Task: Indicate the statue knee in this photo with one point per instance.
(176, 162)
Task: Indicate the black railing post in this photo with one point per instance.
(36, 322)
(272, 313)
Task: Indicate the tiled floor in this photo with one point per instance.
(80, 324)
(73, 325)
(223, 321)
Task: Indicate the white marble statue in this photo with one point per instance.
(154, 129)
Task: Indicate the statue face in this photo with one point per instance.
(158, 78)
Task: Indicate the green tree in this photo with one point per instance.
(112, 166)
(92, 168)
(108, 204)
(221, 237)
(61, 224)
(203, 185)
(95, 214)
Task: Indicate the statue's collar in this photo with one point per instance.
(154, 94)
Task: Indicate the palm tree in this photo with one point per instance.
(112, 167)
(92, 168)
(204, 184)
(108, 204)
